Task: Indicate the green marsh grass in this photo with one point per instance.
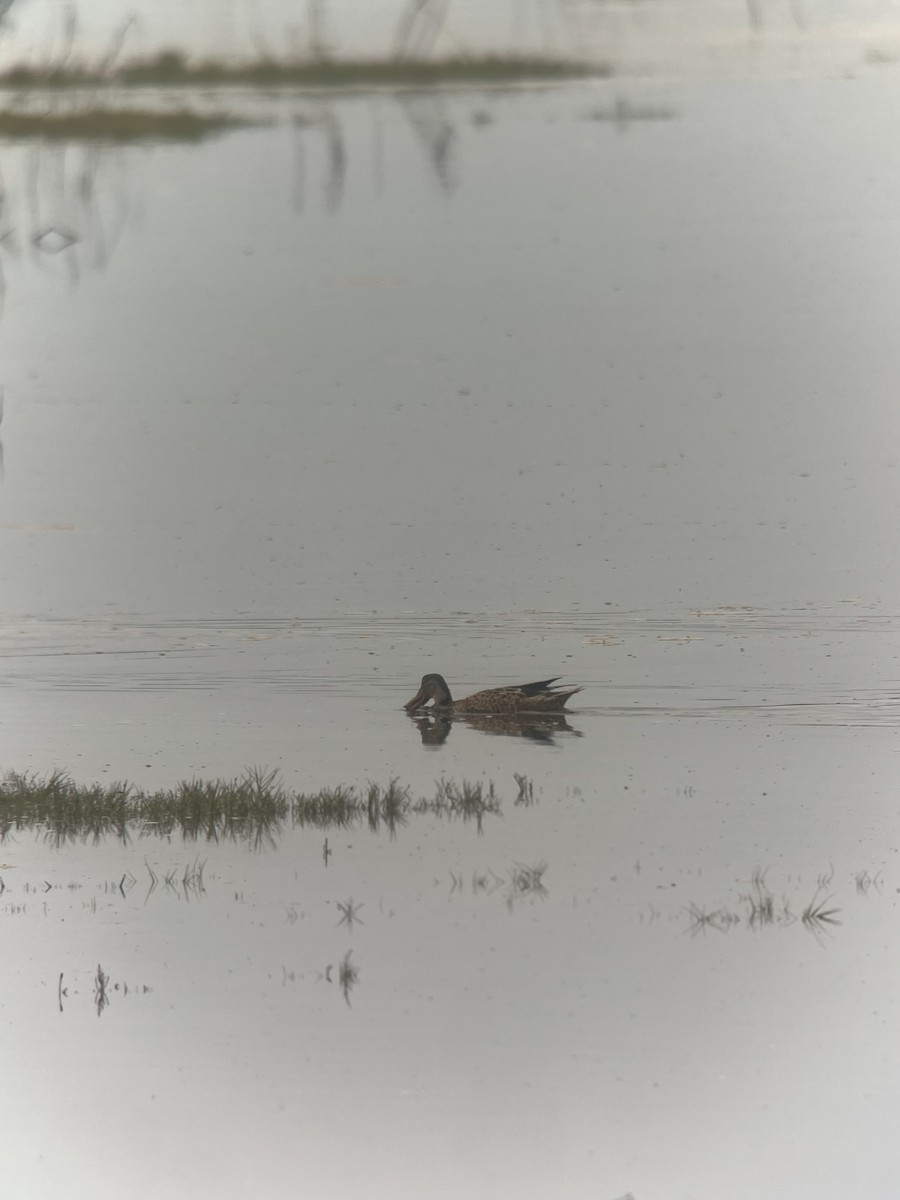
(387, 806)
(470, 801)
(255, 808)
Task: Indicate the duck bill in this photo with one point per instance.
(417, 701)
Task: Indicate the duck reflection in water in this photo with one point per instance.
(435, 726)
(530, 710)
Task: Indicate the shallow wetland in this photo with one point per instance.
(308, 391)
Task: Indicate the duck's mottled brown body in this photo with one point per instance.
(519, 698)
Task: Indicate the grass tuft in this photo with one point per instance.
(348, 976)
(349, 911)
(816, 917)
(526, 881)
(526, 790)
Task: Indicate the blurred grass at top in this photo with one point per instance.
(419, 49)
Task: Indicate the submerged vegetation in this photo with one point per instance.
(254, 808)
(759, 908)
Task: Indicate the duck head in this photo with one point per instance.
(432, 687)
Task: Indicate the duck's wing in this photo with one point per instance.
(535, 689)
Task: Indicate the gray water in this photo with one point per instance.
(595, 382)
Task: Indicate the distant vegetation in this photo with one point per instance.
(87, 78)
(90, 116)
(171, 68)
(100, 123)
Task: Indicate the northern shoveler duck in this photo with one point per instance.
(518, 698)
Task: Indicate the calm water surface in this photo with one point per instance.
(598, 382)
